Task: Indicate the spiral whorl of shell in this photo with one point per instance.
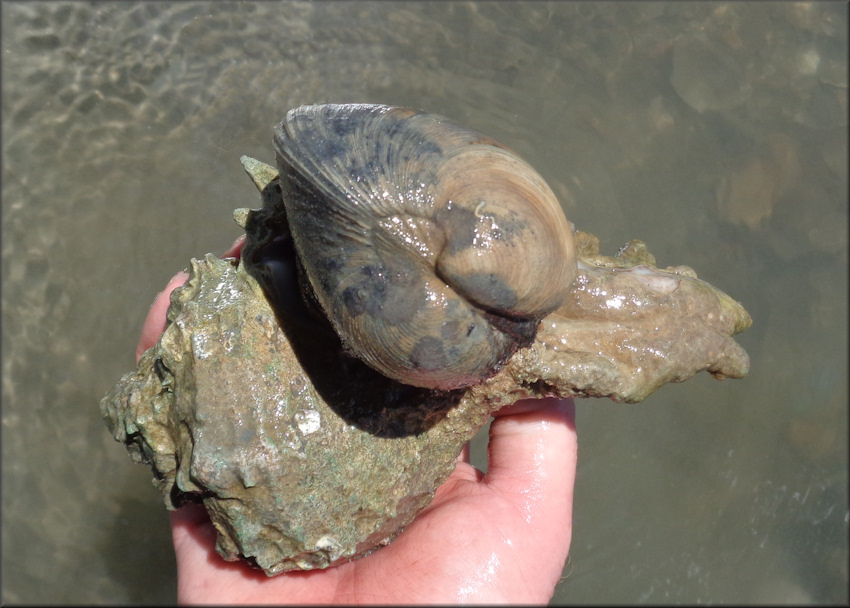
(432, 249)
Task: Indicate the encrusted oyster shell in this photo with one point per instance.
(304, 457)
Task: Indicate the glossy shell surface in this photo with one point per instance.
(432, 249)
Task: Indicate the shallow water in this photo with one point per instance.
(716, 133)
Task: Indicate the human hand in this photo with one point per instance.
(502, 536)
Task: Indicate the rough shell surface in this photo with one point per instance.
(305, 457)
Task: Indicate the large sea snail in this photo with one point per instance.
(433, 250)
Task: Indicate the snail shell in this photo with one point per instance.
(433, 250)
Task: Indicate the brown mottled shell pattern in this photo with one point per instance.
(433, 250)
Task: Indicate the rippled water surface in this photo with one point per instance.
(715, 132)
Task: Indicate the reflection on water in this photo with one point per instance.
(717, 133)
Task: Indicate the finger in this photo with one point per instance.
(532, 464)
(155, 321)
(235, 250)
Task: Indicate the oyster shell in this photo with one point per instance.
(305, 457)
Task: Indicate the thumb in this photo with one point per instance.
(532, 464)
